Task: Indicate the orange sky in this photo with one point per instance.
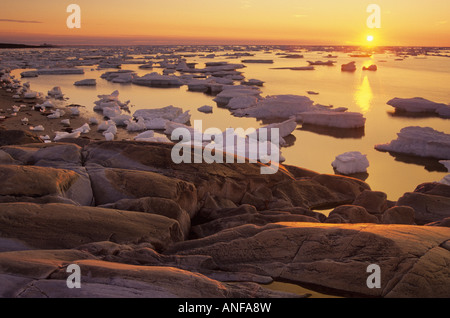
(404, 22)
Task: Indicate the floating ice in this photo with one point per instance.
(93, 121)
(169, 113)
(85, 129)
(121, 120)
(349, 67)
(421, 142)
(157, 80)
(86, 82)
(205, 109)
(372, 67)
(333, 119)
(56, 93)
(109, 136)
(420, 105)
(65, 122)
(37, 128)
(351, 162)
(137, 126)
(228, 93)
(56, 114)
(122, 76)
(75, 111)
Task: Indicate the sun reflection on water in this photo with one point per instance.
(363, 95)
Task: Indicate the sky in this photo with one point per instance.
(293, 22)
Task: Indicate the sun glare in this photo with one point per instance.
(370, 38)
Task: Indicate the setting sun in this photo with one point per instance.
(370, 38)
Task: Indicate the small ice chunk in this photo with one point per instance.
(109, 136)
(350, 163)
(446, 179)
(85, 129)
(137, 126)
(65, 122)
(93, 121)
(37, 128)
(205, 109)
(145, 135)
(56, 93)
(75, 111)
(65, 135)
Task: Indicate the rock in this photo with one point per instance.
(60, 226)
(350, 214)
(17, 137)
(220, 220)
(335, 257)
(375, 202)
(112, 185)
(434, 188)
(159, 206)
(321, 191)
(444, 222)
(428, 208)
(398, 215)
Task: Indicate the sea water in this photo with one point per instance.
(313, 148)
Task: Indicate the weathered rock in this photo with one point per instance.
(246, 214)
(42, 274)
(322, 191)
(375, 202)
(335, 256)
(350, 214)
(17, 137)
(398, 215)
(111, 185)
(444, 222)
(428, 208)
(434, 188)
(160, 206)
(53, 226)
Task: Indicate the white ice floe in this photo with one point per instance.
(37, 128)
(110, 105)
(86, 82)
(58, 113)
(121, 120)
(241, 102)
(112, 112)
(278, 106)
(420, 105)
(149, 136)
(205, 109)
(121, 76)
(446, 179)
(333, 119)
(65, 122)
(109, 136)
(349, 67)
(169, 113)
(230, 92)
(157, 80)
(46, 104)
(419, 141)
(350, 163)
(29, 74)
(56, 93)
(32, 94)
(105, 125)
(138, 125)
(75, 111)
(85, 129)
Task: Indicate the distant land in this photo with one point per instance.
(23, 46)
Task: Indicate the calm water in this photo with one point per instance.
(361, 91)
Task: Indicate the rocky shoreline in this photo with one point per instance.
(139, 225)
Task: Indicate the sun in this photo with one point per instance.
(370, 38)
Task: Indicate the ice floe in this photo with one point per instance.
(86, 82)
(420, 105)
(351, 163)
(334, 119)
(157, 80)
(421, 142)
(349, 67)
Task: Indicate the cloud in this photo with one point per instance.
(19, 21)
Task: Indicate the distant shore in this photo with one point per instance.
(24, 46)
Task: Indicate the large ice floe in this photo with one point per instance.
(419, 141)
(121, 76)
(350, 163)
(159, 117)
(157, 80)
(420, 105)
